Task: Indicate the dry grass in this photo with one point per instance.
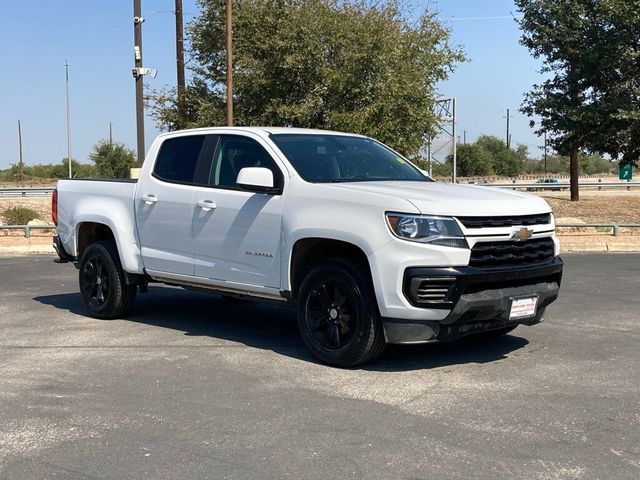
(40, 205)
(597, 207)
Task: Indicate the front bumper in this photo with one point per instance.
(477, 300)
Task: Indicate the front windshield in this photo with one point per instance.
(341, 158)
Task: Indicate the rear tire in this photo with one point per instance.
(338, 315)
(102, 282)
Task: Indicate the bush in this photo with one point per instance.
(19, 215)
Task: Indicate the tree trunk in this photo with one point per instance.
(573, 169)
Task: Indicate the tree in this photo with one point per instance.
(347, 65)
(590, 49)
(113, 160)
(473, 161)
(616, 83)
(505, 161)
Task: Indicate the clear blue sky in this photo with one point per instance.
(96, 37)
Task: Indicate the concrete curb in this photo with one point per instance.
(613, 247)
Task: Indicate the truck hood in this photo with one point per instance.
(436, 198)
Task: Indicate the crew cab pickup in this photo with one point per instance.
(370, 249)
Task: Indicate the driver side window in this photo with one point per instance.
(235, 153)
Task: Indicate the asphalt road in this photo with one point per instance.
(193, 386)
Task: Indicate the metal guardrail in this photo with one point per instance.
(46, 191)
(27, 228)
(615, 226)
(561, 186)
(26, 192)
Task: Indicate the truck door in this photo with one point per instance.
(237, 234)
(164, 204)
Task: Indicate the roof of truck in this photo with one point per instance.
(263, 131)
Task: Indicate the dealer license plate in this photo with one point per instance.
(523, 307)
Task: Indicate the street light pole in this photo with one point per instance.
(66, 70)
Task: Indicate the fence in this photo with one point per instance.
(26, 192)
(614, 226)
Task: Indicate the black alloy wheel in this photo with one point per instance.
(103, 285)
(96, 281)
(338, 315)
(330, 310)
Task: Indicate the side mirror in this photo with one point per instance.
(256, 179)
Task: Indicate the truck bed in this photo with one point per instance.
(108, 201)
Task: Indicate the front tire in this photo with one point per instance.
(338, 315)
(102, 282)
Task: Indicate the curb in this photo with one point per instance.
(26, 249)
(570, 247)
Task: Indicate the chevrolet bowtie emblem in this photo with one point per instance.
(522, 234)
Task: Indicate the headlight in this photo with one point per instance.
(434, 230)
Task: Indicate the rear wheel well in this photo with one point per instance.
(309, 252)
(90, 232)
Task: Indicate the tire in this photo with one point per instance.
(102, 282)
(338, 315)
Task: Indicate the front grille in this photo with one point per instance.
(434, 290)
(511, 253)
(494, 222)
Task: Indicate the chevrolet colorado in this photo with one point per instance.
(370, 249)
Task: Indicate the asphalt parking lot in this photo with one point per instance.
(194, 386)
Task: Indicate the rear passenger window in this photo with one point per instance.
(178, 158)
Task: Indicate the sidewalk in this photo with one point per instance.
(573, 242)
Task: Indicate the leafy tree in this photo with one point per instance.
(590, 101)
(113, 160)
(505, 161)
(349, 65)
(615, 54)
(473, 161)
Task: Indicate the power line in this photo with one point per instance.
(498, 17)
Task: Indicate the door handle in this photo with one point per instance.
(206, 205)
(149, 198)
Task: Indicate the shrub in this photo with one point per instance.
(19, 215)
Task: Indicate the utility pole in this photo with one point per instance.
(453, 139)
(180, 58)
(139, 77)
(110, 134)
(229, 66)
(508, 139)
(66, 70)
(429, 156)
(545, 153)
(464, 137)
(20, 171)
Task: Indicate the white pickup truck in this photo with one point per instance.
(370, 249)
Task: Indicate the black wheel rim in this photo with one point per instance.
(331, 311)
(96, 282)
